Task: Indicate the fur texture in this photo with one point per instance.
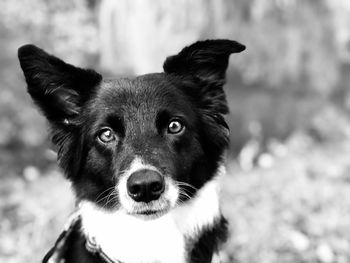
(171, 123)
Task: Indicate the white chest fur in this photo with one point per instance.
(132, 240)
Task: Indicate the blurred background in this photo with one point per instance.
(287, 192)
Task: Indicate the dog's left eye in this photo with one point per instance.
(106, 135)
(175, 126)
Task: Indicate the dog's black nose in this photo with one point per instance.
(145, 185)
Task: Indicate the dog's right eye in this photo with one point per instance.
(106, 135)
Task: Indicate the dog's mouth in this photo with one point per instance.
(150, 210)
(150, 214)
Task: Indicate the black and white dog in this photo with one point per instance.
(144, 155)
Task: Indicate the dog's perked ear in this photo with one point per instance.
(58, 88)
(201, 69)
(205, 60)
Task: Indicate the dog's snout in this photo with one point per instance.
(145, 185)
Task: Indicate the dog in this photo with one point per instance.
(144, 155)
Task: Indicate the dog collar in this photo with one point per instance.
(57, 253)
(92, 246)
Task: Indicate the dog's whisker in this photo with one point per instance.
(108, 189)
(184, 194)
(180, 200)
(185, 191)
(108, 200)
(111, 197)
(107, 197)
(185, 197)
(101, 200)
(186, 184)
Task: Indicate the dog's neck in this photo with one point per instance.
(166, 239)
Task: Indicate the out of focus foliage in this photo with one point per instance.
(289, 42)
(64, 27)
(287, 188)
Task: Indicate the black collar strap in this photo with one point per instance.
(57, 252)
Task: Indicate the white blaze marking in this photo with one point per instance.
(169, 196)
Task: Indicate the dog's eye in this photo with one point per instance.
(106, 135)
(175, 126)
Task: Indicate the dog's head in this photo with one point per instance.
(142, 145)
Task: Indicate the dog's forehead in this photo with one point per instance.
(146, 94)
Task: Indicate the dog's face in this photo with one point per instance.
(140, 145)
(143, 140)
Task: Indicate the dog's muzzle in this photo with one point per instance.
(145, 185)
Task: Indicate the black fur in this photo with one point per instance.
(209, 242)
(79, 104)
